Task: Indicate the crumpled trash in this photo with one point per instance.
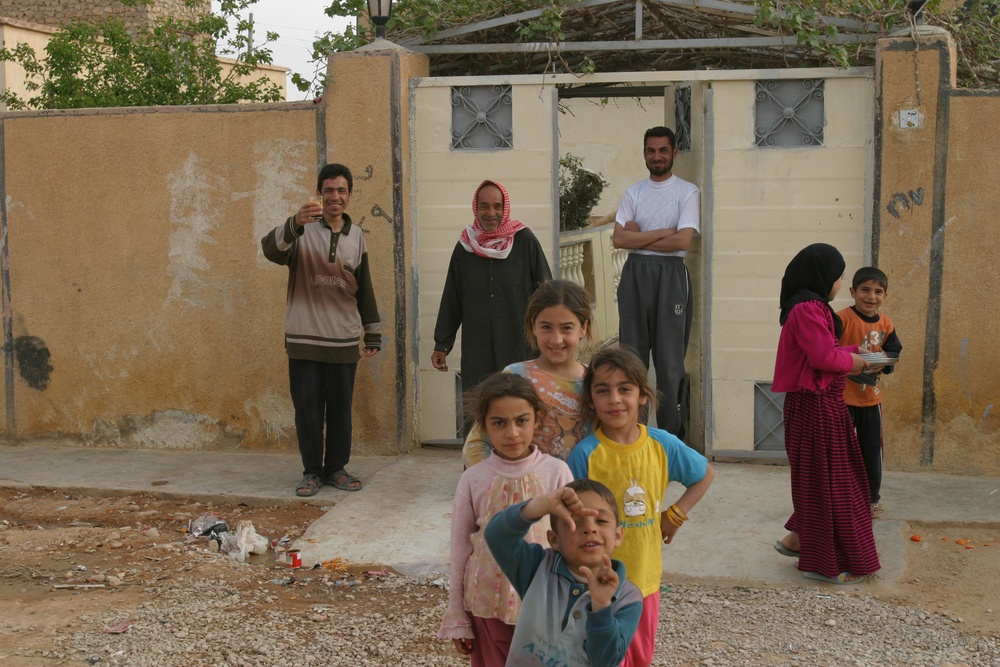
(209, 524)
(243, 542)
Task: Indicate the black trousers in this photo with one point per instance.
(654, 315)
(322, 394)
(868, 425)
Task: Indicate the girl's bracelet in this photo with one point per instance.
(675, 516)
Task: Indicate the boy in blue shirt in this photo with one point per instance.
(577, 607)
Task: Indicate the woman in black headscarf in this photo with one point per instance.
(830, 527)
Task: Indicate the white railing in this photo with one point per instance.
(587, 258)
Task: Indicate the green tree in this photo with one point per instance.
(174, 62)
(974, 25)
(579, 191)
(426, 18)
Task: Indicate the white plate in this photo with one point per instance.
(877, 359)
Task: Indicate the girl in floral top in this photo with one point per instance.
(557, 320)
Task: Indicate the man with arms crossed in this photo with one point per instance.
(656, 221)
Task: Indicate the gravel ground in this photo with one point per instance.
(116, 581)
(700, 625)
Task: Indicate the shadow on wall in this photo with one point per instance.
(33, 361)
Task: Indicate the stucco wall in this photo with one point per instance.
(933, 238)
(142, 311)
(135, 261)
(365, 105)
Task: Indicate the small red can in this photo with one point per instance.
(294, 558)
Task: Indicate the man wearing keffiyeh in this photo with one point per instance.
(495, 266)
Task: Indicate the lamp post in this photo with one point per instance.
(379, 12)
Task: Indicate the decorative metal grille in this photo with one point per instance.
(682, 118)
(481, 118)
(768, 425)
(790, 113)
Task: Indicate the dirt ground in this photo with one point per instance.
(65, 560)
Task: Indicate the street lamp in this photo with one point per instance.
(379, 12)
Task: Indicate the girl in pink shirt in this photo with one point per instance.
(830, 530)
(482, 604)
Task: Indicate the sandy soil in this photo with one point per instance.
(65, 559)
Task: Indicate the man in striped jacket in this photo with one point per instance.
(330, 311)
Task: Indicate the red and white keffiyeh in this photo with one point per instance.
(495, 244)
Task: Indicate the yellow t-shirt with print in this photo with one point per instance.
(638, 475)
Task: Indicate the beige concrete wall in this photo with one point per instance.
(767, 204)
(937, 200)
(273, 73)
(446, 181)
(12, 33)
(142, 310)
(691, 165)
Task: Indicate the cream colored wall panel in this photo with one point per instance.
(754, 364)
(767, 204)
(731, 334)
(850, 112)
(733, 101)
(733, 415)
(434, 118)
(756, 166)
(608, 137)
(447, 180)
(437, 403)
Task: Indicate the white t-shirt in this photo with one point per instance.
(670, 204)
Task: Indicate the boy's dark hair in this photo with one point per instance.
(559, 293)
(333, 171)
(659, 131)
(866, 273)
(499, 385)
(628, 363)
(581, 485)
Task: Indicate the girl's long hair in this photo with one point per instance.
(499, 385)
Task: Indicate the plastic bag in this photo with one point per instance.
(247, 541)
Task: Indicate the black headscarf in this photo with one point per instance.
(810, 277)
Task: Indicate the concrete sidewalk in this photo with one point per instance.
(401, 517)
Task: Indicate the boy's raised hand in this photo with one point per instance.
(602, 582)
(561, 504)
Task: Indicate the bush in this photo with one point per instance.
(579, 191)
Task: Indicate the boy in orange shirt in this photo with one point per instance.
(871, 331)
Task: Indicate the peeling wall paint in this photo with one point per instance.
(194, 213)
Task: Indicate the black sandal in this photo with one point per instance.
(346, 485)
(309, 486)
